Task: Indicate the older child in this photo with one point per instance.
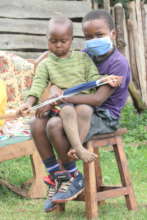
(63, 68)
(98, 28)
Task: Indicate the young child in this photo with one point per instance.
(63, 68)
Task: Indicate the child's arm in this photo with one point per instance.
(40, 82)
(95, 99)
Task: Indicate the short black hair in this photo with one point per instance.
(62, 20)
(99, 14)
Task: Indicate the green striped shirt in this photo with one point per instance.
(64, 72)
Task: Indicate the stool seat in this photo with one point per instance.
(118, 132)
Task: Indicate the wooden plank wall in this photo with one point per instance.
(23, 24)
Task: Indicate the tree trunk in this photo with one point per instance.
(137, 100)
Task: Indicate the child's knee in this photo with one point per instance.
(37, 126)
(84, 111)
(67, 111)
(53, 124)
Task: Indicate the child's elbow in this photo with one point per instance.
(97, 101)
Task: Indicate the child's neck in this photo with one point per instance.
(63, 56)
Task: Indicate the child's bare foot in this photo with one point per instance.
(82, 154)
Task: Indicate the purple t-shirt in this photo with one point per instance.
(116, 64)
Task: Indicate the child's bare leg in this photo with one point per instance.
(84, 114)
(70, 124)
(56, 135)
(40, 138)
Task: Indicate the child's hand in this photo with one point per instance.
(40, 112)
(23, 110)
(115, 81)
(55, 91)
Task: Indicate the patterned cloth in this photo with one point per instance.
(64, 72)
(17, 73)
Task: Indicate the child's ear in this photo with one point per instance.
(113, 35)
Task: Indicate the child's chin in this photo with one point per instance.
(60, 55)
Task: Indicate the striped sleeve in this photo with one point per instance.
(40, 80)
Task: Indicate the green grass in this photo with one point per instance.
(14, 207)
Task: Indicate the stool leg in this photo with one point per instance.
(98, 173)
(38, 188)
(60, 207)
(124, 173)
(90, 187)
(98, 169)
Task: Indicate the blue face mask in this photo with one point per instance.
(98, 46)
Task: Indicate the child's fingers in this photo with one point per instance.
(117, 80)
(25, 112)
(113, 84)
(40, 112)
(64, 100)
(114, 81)
(72, 154)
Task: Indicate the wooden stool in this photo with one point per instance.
(95, 191)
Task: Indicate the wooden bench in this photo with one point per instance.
(19, 147)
